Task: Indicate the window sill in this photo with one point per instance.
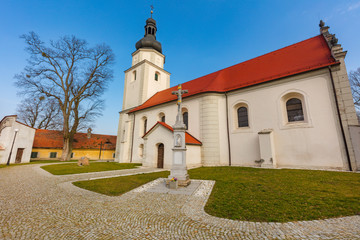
(299, 124)
(242, 130)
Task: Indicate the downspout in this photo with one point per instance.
(227, 126)
(132, 140)
(338, 112)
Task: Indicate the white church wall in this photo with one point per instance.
(193, 156)
(152, 86)
(315, 143)
(133, 87)
(124, 138)
(170, 111)
(159, 135)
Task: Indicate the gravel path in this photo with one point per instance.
(37, 205)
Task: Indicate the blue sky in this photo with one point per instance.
(198, 37)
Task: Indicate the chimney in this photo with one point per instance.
(89, 133)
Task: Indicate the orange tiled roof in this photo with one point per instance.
(189, 139)
(304, 56)
(54, 139)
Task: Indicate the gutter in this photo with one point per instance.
(338, 113)
(227, 127)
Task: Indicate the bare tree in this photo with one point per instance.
(41, 113)
(354, 77)
(72, 74)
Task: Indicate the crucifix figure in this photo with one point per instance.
(178, 168)
(179, 93)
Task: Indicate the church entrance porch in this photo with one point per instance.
(160, 161)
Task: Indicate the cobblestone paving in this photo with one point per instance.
(36, 205)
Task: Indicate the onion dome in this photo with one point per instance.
(149, 39)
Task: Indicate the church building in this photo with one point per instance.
(291, 108)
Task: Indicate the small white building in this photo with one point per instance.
(289, 108)
(16, 140)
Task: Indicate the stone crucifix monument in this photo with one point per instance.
(178, 168)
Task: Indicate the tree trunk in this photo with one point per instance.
(67, 149)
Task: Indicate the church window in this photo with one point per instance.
(156, 76)
(242, 117)
(141, 150)
(294, 110)
(145, 124)
(134, 75)
(186, 119)
(161, 117)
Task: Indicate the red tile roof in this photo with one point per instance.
(54, 139)
(304, 56)
(189, 139)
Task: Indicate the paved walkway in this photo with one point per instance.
(37, 205)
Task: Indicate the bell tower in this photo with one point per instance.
(146, 76)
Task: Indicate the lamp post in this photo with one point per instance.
(12, 146)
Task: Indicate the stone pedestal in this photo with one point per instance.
(178, 168)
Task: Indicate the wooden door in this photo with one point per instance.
(19, 154)
(160, 163)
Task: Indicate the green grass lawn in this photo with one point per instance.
(119, 185)
(266, 195)
(36, 162)
(73, 168)
(280, 195)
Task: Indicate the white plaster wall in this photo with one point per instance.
(162, 135)
(170, 111)
(124, 138)
(150, 55)
(133, 88)
(159, 135)
(150, 85)
(24, 139)
(193, 156)
(315, 144)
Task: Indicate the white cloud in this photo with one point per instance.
(353, 6)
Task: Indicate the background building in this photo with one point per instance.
(16, 140)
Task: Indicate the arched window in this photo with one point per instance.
(145, 124)
(294, 110)
(157, 76)
(242, 117)
(141, 150)
(186, 119)
(161, 117)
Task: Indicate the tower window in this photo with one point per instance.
(134, 75)
(156, 76)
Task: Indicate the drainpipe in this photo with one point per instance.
(227, 128)
(132, 140)
(338, 112)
